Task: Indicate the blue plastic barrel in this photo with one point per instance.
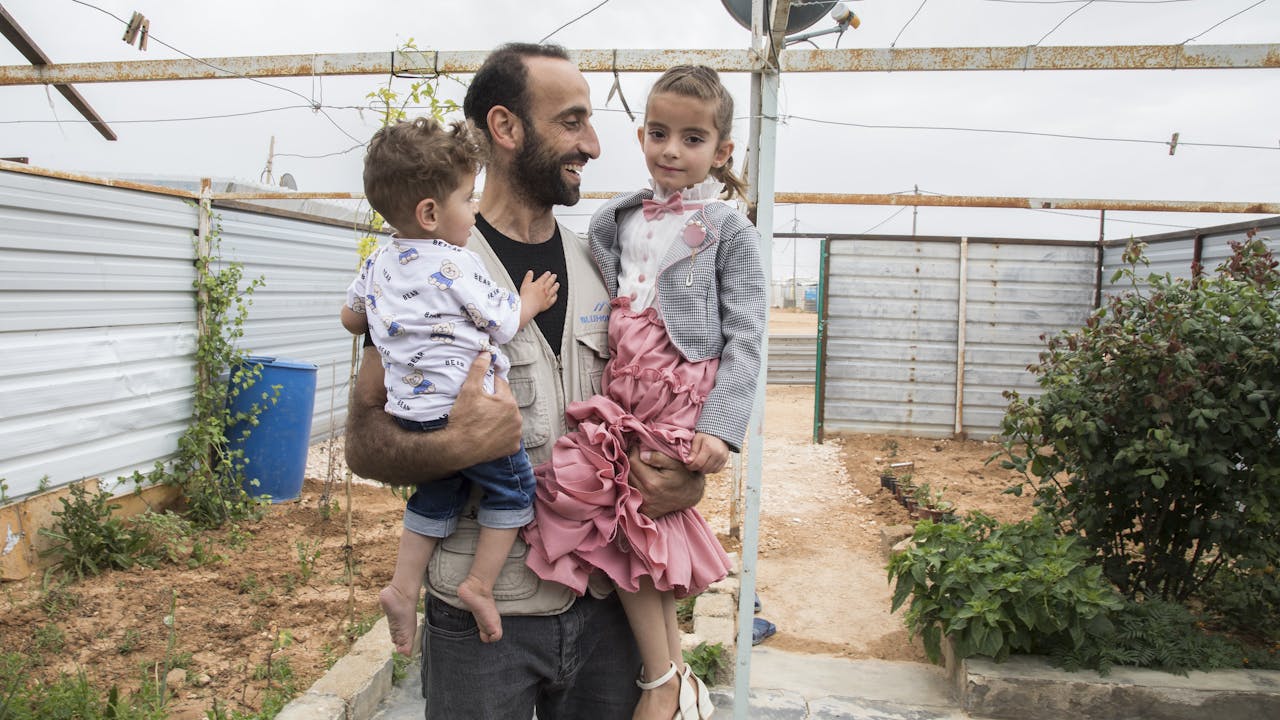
(276, 448)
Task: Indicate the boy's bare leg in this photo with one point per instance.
(477, 590)
(646, 613)
(399, 600)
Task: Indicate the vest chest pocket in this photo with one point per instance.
(524, 379)
(593, 352)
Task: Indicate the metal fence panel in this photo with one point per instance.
(97, 329)
(893, 333)
(1173, 253)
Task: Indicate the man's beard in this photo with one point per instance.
(538, 173)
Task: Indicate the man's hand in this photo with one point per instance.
(664, 482)
(708, 454)
(489, 424)
(481, 427)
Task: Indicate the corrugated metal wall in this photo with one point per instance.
(97, 329)
(307, 267)
(97, 321)
(892, 331)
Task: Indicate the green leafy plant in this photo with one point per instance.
(48, 639)
(705, 660)
(994, 589)
(307, 555)
(1157, 435)
(70, 697)
(207, 469)
(1245, 594)
(57, 599)
(87, 538)
(129, 642)
(1156, 634)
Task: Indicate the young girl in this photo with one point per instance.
(685, 332)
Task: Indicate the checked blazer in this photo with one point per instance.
(714, 305)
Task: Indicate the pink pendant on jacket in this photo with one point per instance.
(694, 233)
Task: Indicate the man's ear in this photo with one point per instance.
(640, 135)
(723, 153)
(425, 214)
(505, 128)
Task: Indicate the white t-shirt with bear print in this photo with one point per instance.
(432, 307)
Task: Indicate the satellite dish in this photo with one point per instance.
(287, 181)
(800, 17)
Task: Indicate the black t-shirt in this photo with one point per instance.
(547, 256)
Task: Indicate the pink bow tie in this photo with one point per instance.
(655, 209)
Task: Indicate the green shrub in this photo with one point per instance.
(1245, 595)
(1154, 634)
(88, 538)
(705, 660)
(1156, 436)
(996, 589)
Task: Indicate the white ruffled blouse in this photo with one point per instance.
(645, 242)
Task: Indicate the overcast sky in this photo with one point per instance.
(815, 152)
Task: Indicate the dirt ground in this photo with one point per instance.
(273, 599)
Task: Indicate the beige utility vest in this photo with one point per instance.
(542, 385)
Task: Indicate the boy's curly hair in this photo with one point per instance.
(417, 159)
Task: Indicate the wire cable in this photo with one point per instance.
(1193, 37)
(1111, 219)
(163, 120)
(898, 212)
(1063, 20)
(1072, 2)
(553, 32)
(1030, 133)
(311, 102)
(909, 21)
(317, 157)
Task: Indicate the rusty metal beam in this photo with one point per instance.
(972, 201)
(23, 169)
(1117, 57)
(1029, 203)
(1106, 57)
(25, 45)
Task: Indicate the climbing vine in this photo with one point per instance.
(208, 469)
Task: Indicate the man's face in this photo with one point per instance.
(558, 136)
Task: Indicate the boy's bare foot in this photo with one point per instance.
(661, 702)
(402, 618)
(479, 600)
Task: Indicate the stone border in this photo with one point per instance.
(715, 615)
(354, 686)
(1028, 686)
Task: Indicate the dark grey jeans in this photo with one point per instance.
(579, 665)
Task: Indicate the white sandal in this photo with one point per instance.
(658, 682)
(702, 707)
(688, 702)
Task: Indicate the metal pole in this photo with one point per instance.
(915, 210)
(764, 111)
(961, 321)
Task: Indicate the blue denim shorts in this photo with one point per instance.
(507, 501)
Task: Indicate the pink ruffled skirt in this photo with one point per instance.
(586, 516)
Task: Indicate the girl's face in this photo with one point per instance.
(680, 141)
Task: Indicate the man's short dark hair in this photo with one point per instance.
(503, 80)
